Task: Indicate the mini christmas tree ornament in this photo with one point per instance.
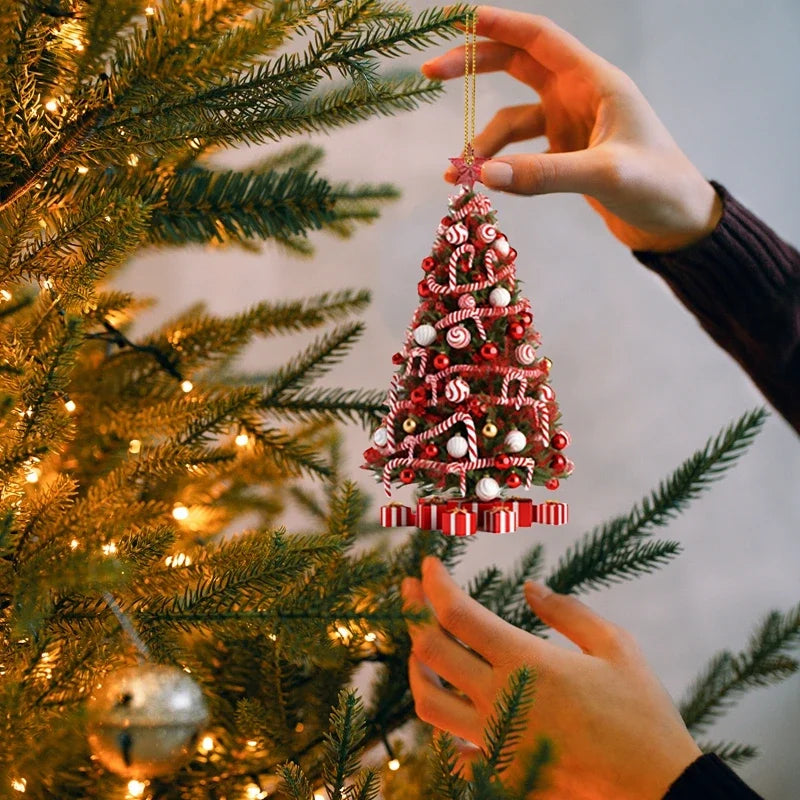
(485, 418)
(145, 720)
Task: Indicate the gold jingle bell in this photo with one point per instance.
(489, 430)
(409, 425)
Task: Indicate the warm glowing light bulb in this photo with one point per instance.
(242, 440)
(110, 548)
(253, 791)
(343, 632)
(207, 744)
(51, 104)
(82, 170)
(70, 406)
(187, 386)
(370, 637)
(134, 446)
(136, 788)
(77, 44)
(19, 784)
(133, 159)
(319, 796)
(180, 511)
(5, 295)
(252, 743)
(149, 11)
(74, 544)
(33, 475)
(394, 765)
(299, 728)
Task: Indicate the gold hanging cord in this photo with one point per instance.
(470, 60)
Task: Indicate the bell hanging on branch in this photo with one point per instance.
(144, 721)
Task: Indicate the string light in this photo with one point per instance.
(134, 446)
(149, 11)
(5, 295)
(253, 791)
(194, 143)
(180, 511)
(394, 765)
(33, 474)
(187, 386)
(77, 44)
(299, 728)
(370, 636)
(19, 784)
(110, 548)
(70, 406)
(133, 160)
(242, 440)
(252, 743)
(273, 637)
(51, 104)
(206, 744)
(82, 170)
(178, 560)
(74, 544)
(136, 788)
(320, 796)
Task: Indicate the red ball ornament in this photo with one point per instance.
(441, 361)
(559, 441)
(552, 484)
(513, 481)
(447, 222)
(502, 461)
(516, 330)
(526, 319)
(371, 455)
(428, 263)
(430, 450)
(558, 463)
(489, 351)
(398, 358)
(419, 395)
(512, 254)
(407, 475)
(423, 290)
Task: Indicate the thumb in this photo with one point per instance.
(542, 173)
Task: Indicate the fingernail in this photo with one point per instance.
(537, 590)
(497, 173)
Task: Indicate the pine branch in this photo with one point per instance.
(447, 781)
(613, 550)
(343, 742)
(508, 722)
(330, 405)
(731, 753)
(765, 661)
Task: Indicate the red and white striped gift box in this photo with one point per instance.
(484, 509)
(501, 520)
(467, 505)
(429, 514)
(396, 515)
(552, 513)
(526, 510)
(459, 522)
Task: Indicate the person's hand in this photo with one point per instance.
(615, 731)
(606, 142)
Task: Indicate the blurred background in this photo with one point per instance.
(640, 384)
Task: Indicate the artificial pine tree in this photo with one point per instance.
(143, 478)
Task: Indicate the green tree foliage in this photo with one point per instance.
(149, 469)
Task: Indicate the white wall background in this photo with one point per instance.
(640, 384)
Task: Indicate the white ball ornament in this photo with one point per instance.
(487, 489)
(424, 335)
(515, 441)
(457, 446)
(500, 297)
(501, 246)
(380, 437)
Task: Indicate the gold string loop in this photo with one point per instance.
(470, 63)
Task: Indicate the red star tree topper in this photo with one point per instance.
(471, 410)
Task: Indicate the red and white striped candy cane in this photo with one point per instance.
(489, 260)
(514, 375)
(542, 410)
(391, 401)
(479, 204)
(452, 266)
(446, 424)
(546, 392)
(506, 273)
(459, 316)
(422, 354)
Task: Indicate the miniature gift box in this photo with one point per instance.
(526, 510)
(396, 515)
(459, 522)
(429, 514)
(502, 519)
(553, 513)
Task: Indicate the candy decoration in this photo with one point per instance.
(144, 720)
(502, 246)
(424, 335)
(525, 353)
(560, 440)
(456, 391)
(457, 234)
(500, 297)
(409, 425)
(458, 337)
(487, 489)
(459, 522)
(489, 430)
(396, 515)
(467, 301)
(515, 441)
(487, 233)
(380, 436)
(457, 446)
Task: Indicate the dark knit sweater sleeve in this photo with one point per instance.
(709, 779)
(742, 283)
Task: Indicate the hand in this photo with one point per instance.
(606, 142)
(615, 731)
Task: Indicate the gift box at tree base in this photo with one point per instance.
(471, 413)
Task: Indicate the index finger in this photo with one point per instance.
(539, 36)
(464, 617)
